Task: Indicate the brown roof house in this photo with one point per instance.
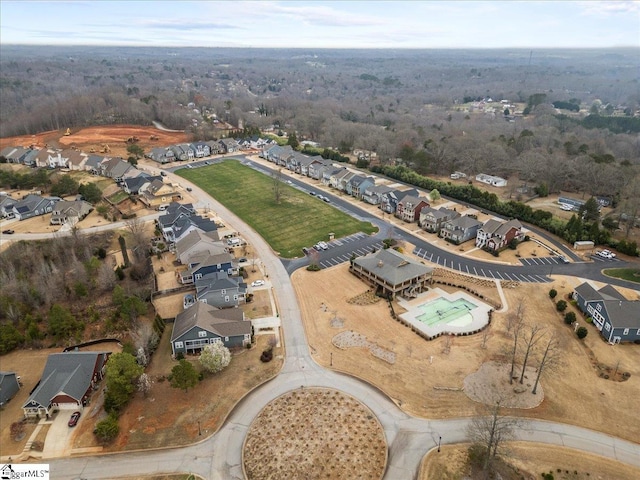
(392, 273)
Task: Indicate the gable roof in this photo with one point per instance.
(215, 281)
(392, 266)
(70, 373)
(464, 222)
(622, 313)
(196, 236)
(228, 322)
(206, 260)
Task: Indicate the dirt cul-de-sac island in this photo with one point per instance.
(315, 433)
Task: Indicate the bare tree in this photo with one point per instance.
(531, 337)
(517, 331)
(136, 227)
(516, 316)
(144, 384)
(549, 361)
(277, 185)
(485, 336)
(490, 432)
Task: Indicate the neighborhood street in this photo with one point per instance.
(219, 457)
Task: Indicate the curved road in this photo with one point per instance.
(409, 438)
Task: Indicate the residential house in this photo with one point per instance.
(183, 152)
(318, 168)
(9, 386)
(228, 145)
(616, 318)
(491, 180)
(330, 173)
(115, 168)
(373, 193)
(359, 184)
(201, 149)
(67, 382)
(159, 192)
(137, 185)
(220, 290)
(214, 147)
(408, 209)
(460, 229)
(69, 213)
(343, 179)
(202, 324)
(41, 159)
(15, 154)
(495, 235)
(75, 159)
(94, 164)
(202, 264)
(306, 163)
(432, 220)
(33, 206)
(162, 155)
(184, 226)
(391, 273)
(172, 214)
(278, 154)
(29, 159)
(57, 159)
(389, 200)
(198, 242)
(6, 206)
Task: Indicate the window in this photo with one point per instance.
(626, 331)
(178, 345)
(226, 298)
(202, 334)
(226, 339)
(223, 291)
(235, 297)
(607, 327)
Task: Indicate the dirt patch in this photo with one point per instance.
(89, 138)
(527, 461)
(490, 385)
(315, 433)
(427, 377)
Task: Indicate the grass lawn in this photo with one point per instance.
(629, 274)
(300, 220)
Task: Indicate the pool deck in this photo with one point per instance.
(479, 315)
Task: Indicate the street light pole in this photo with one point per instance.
(331, 364)
(199, 430)
(439, 441)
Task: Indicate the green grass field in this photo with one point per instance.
(629, 274)
(300, 220)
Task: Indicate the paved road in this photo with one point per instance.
(409, 439)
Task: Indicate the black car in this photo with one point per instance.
(8, 232)
(73, 421)
(189, 189)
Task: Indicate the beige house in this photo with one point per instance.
(158, 193)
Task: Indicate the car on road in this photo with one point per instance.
(189, 189)
(73, 421)
(164, 174)
(8, 232)
(323, 245)
(257, 283)
(189, 166)
(289, 182)
(320, 197)
(312, 193)
(608, 254)
(242, 260)
(306, 250)
(326, 199)
(208, 162)
(563, 259)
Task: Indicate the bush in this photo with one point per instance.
(561, 306)
(107, 430)
(553, 293)
(582, 332)
(569, 318)
(313, 268)
(267, 355)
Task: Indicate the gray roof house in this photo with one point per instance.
(432, 219)
(389, 200)
(202, 324)
(6, 206)
(201, 149)
(496, 235)
(229, 145)
(66, 383)
(115, 168)
(93, 164)
(138, 184)
(392, 273)
(616, 318)
(70, 213)
(198, 242)
(9, 386)
(201, 264)
(220, 290)
(460, 230)
(33, 206)
(161, 155)
(373, 193)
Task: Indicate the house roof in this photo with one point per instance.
(464, 222)
(70, 373)
(30, 203)
(216, 281)
(622, 313)
(9, 385)
(227, 322)
(75, 208)
(413, 200)
(210, 259)
(496, 227)
(439, 213)
(392, 266)
(196, 236)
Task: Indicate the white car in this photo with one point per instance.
(607, 254)
(257, 283)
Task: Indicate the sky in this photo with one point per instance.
(323, 24)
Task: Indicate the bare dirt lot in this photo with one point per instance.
(527, 461)
(86, 138)
(315, 433)
(428, 382)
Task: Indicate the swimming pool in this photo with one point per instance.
(442, 310)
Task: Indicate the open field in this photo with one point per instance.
(298, 221)
(629, 274)
(527, 461)
(427, 377)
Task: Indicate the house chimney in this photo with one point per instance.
(380, 263)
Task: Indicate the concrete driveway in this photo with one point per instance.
(59, 441)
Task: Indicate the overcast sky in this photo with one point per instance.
(322, 24)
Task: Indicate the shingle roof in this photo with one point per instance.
(228, 322)
(70, 373)
(392, 266)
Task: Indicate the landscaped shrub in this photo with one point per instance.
(569, 318)
(267, 355)
(313, 268)
(553, 293)
(561, 306)
(582, 332)
(107, 430)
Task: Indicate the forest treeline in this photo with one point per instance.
(410, 107)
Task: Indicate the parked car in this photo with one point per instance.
(73, 421)
(312, 193)
(326, 199)
(563, 259)
(323, 245)
(242, 260)
(164, 174)
(257, 283)
(305, 250)
(608, 254)
(189, 189)
(8, 232)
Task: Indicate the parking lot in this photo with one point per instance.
(343, 249)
